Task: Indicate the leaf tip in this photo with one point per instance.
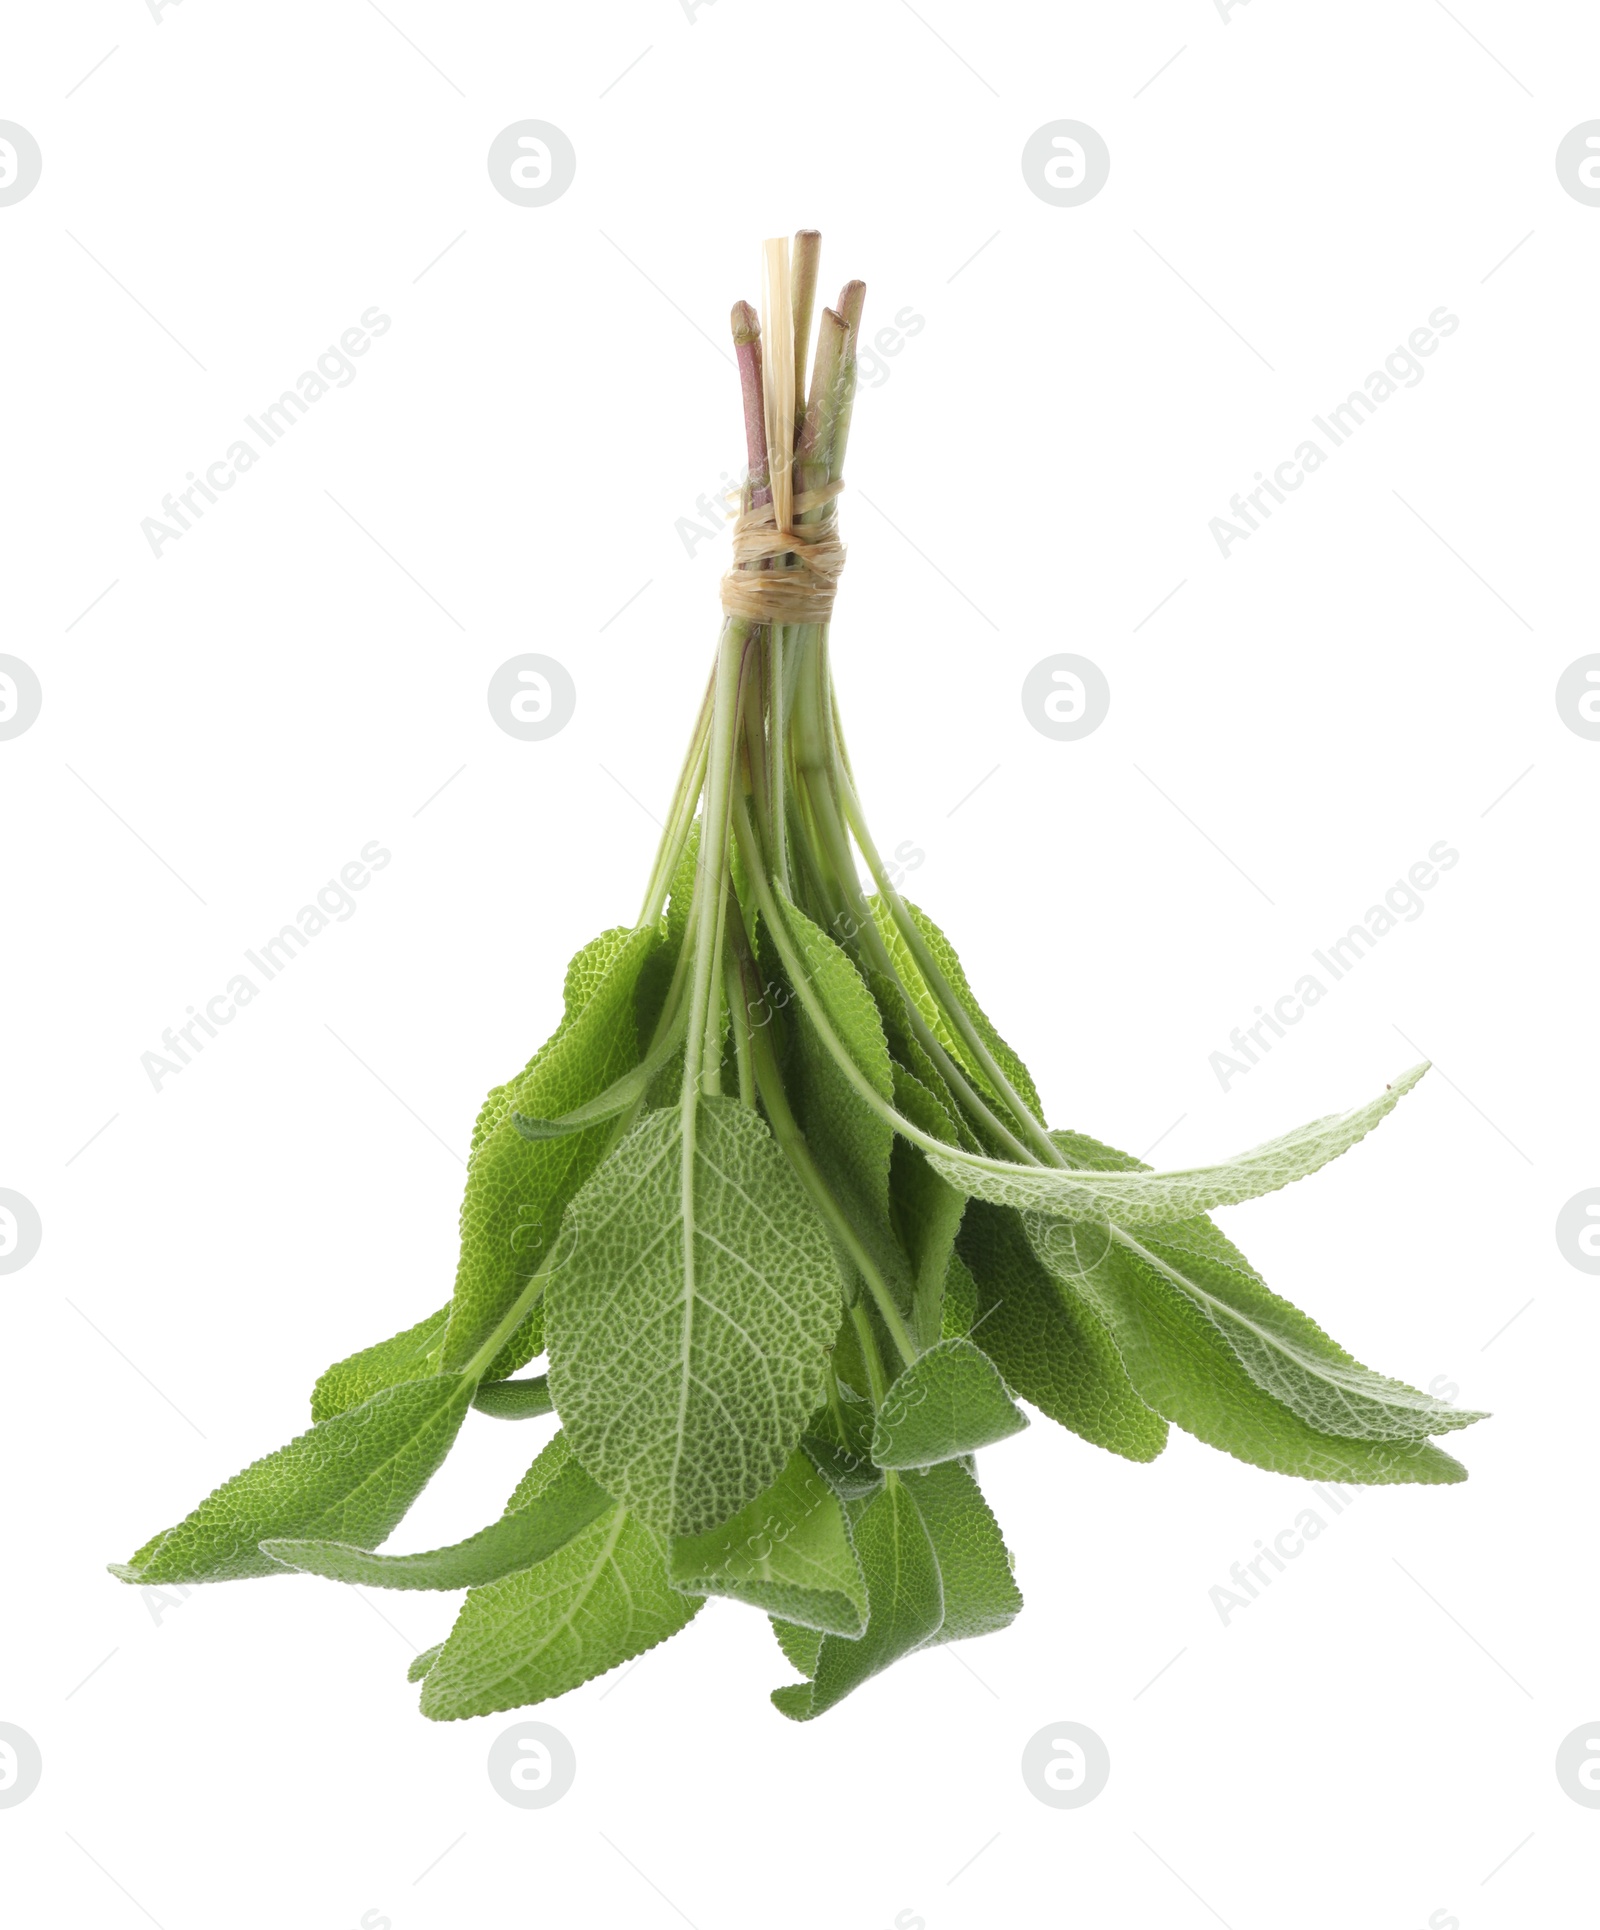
(422, 1661)
(794, 1701)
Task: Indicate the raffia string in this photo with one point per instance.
(801, 593)
(780, 574)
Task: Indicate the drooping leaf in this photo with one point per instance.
(944, 956)
(520, 1538)
(980, 1595)
(350, 1478)
(1140, 1198)
(1052, 1348)
(516, 1188)
(411, 1355)
(950, 1401)
(1285, 1353)
(595, 1603)
(1181, 1364)
(789, 1552)
(422, 1661)
(690, 1316)
(905, 1604)
(515, 1400)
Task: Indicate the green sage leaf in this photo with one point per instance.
(349, 1479)
(594, 1604)
(907, 1050)
(521, 1537)
(617, 1098)
(944, 956)
(839, 1441)
(690, 1315)
(801, 1646)
(515, 1400)
(1181, 1364)
(851, 1142)
(927, 1209)
(950, 1401)
(411, 1355)
(1137, 1197)
(1283, 1351)
(1052, 1347)
(980, 1595)
(789, 1552)
(958, 1312)
(516, 1188)
(905, 1604)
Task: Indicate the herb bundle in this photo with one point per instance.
(782, 1208)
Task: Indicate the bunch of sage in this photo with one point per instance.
(782, 1209)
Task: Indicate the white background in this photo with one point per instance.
(1375, 1736)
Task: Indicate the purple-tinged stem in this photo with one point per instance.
(747, 350)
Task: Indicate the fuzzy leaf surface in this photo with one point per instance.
(515, 1400)
(801, 1646)
(976, 1585)
(789, 1552)
(927, 1209)
(908, 1052)
(521, 1537)
(595, 1603)
(690, 1316)
(517, 1189)
(944, 956)
(350, 1478)
(905, 1601)
(852, 1144)
(1181, 1364)
(1137, 1197)
(1283, 1351)
(841, 1446)
(950, 1401)
(1050, 1345)
(958, 1312)
(411, 1355)
(980, 1595)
